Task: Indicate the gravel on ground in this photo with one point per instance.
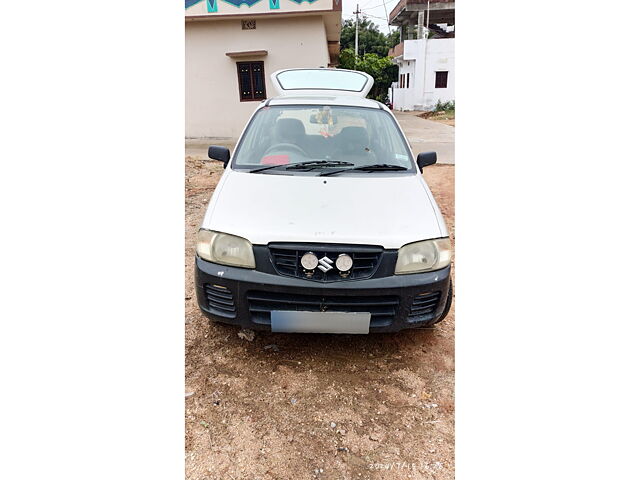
(303, 406)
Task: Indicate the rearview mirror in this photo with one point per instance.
(426, 158)
(221, 154)
(323, 118)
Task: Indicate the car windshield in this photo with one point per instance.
(322, 136)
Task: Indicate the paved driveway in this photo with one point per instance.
(427, 136)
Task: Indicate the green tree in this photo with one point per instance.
(374, 47)
(347, 59)
(393, 38)
(370, 39)
(382, 69)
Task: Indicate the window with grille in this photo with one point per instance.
(408, 80)
(441, 79)
(251, 81)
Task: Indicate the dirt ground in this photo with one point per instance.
(377, 406)
(448, 117)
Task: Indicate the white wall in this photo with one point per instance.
(406, 98)
(422, 94)
(213, 107)
(440, 57)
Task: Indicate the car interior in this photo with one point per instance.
(351, 144)
(285, 135)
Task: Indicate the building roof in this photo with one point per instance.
(440, 11)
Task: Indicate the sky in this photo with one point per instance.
(372, 9)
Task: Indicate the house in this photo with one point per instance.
(425, 54)
(232, 46)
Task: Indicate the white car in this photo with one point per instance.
(322, 221)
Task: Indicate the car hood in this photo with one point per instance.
(372, 209)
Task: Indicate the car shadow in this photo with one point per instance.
(306, 350)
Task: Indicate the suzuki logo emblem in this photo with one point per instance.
(325, 264)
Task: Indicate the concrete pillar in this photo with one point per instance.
(420, 24)
(409, 31)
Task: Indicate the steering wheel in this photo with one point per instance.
(285, 146)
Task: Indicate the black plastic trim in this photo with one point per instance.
(331, 250)
(241, 281)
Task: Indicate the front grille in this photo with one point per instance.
(286, 260)
(423, 306)
(220, 300)
(382, 308)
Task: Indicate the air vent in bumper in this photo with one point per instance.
(383, 309)
(424, 306)
(220, 300)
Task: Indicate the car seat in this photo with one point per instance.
(352, 144)
(291, 130)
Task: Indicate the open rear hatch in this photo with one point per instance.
(321, 81)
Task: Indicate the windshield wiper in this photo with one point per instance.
(305, 165)
(376, 167)
(318, 164)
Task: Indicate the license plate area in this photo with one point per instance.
(287, 321)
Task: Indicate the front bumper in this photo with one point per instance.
(245, 297)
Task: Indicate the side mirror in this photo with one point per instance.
(221, 154)
(426, 158)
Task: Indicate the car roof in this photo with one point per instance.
(338, 100)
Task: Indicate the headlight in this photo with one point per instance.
(424, 256)
(225, 249)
